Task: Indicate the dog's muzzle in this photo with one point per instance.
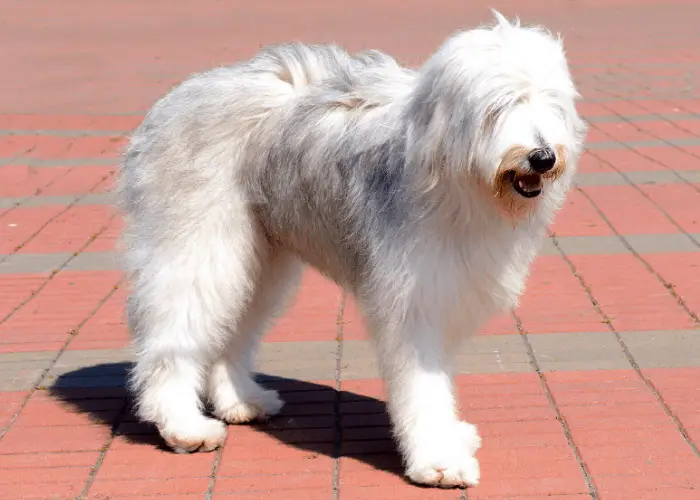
(526, 185)
(529, 184)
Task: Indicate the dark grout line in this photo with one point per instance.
(74, 202)
(337, 435)
(103, 451)
(216, 464)
(68, 132)
(6, 428)
(630, 358)
(55, 271)
(636, 187)
(52, 363)
(637, 255)
(587, 477)
(665, 141)
(67, 162)
(117, 419)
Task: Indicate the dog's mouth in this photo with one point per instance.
(526, 185)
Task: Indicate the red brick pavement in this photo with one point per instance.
(81, 75)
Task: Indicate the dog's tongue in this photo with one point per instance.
(529, 182)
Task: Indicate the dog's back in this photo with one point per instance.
(220, 108)
(190, 150)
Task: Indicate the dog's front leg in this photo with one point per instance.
(438, 449)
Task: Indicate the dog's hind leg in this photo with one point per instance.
(187, 290)
(234, 394)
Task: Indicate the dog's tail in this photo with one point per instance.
(301, 65)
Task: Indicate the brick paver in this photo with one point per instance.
(588, 390)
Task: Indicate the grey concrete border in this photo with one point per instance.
(571, 245)
(568, 351)
(592, 146)
(582, 179)
(76, 199)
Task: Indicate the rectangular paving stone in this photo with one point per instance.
(653, 243)
(599, 179)
(19, 379)
(642, 144)
(19, 357)
(95, 261)
(318, 361)
(480, 354)
(70, 199)
(33, 263)
(40, 201)
(303, 360)
(654, 177)
(22, 374)
(301, 370)
(640, 118)
(690, 175)
(578, 351)
(664, 349)
(6, 203)
(592, 245)
(98, 199)
(548, 247)
(30, 263)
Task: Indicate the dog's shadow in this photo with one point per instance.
(316, 418)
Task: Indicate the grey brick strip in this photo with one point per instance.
(64, 132)
(126, 132)
(582, 179)
(637, 364)
(67, 162)
(591, 146)
(539, 369)
(41, 201)
(316, 360)
(571, 245)
(643, 144)
(641, 118)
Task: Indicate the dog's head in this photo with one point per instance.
(502, 114)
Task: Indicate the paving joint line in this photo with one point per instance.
(646, 196)
(43, 226)
(118, 419)
(636, 73)
(54, 272)
(587, 477)
(665, 141)
(68, 132)
(659, 117)
(627, 146)
(52, 363)
(37, 193)
(216, 464)
(628, 355)
(668, 286)
(337, 434)
(66, 162)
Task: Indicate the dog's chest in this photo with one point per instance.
(472, 279)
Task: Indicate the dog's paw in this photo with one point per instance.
(463, 472)
(263, 404)
(448, 461)
(206, 434)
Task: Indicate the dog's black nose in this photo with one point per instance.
(542, 160)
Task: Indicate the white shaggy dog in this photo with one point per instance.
(423, 193)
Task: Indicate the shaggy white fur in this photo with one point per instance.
(423, 193)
